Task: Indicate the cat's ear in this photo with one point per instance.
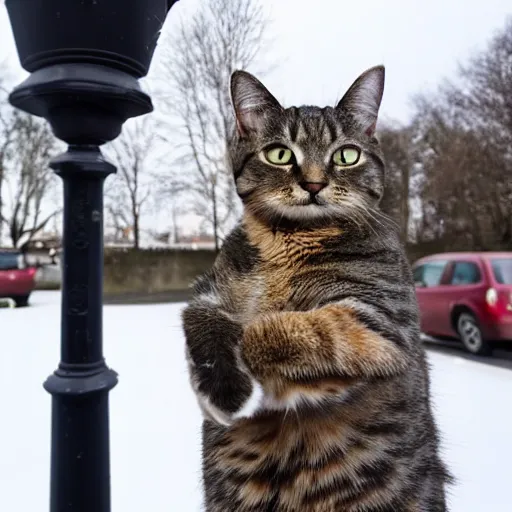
(252, 102)
(363, 99)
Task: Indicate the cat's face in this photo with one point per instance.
(307, 165)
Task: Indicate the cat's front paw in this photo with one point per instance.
(223, 386)
(281, 351)
(250, 408)
(253, 404)
(234, 397)
(267, 345)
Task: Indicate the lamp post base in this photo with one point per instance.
(80, 464)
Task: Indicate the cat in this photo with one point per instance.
(302, 341)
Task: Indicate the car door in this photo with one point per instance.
(8, 263)
(466, 287)
(428, 279)
(420, 296)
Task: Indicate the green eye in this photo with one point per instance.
(346, 156)
(279, 155)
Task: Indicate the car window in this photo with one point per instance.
(429, 274)
(465, 272)
(9, 260)
(417, 274)
(502, 268)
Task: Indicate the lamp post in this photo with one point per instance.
(85, 58)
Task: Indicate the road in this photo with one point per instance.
(501, 356)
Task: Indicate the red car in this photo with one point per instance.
(17, 281)
(466, 295)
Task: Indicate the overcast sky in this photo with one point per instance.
(321, 46)
(330, 42)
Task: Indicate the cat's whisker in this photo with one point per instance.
(356, 217)
(392, 222)
(382, 220)
(371, 212)
(365, 215)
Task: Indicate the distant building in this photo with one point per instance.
(154, 240)
(43, 249)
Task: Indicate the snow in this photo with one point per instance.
(155, 423)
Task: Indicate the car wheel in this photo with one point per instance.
(471, 335)
(21, 301)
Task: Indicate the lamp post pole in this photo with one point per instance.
(80, 462)
(85, 58)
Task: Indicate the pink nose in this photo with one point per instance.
(312, 188)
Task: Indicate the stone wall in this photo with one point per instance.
(153, 271)
(128, 271)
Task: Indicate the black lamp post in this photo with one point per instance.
(86, 57)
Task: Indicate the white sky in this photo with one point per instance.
(319, 47)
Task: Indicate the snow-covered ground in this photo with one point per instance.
(155, 422)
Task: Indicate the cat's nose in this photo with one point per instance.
(313, 187)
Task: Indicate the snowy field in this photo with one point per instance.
(155, 422)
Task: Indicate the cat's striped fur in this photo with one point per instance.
(303, 341)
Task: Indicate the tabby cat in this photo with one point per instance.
(303, 340)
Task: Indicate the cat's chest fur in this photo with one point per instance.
(284, 275)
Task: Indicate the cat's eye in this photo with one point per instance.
(279, 155)
(346, 156)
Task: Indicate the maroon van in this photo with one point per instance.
(17, 281)
(466, 295)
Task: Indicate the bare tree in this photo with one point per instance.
(5, 136)
(27, 151)
(223, 35)
(484, 101)
(460, 168)
(5, 141)
(128, 192)
(397, 146)
(484, 98)
(171, 195)
(462, 143)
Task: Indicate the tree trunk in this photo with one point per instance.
(175, 232)
(1, 204)
(404, 207)
(215, 219)
(136, 234)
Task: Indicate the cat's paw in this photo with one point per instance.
(213, 409)
(221, 383)
(278, 350)
(253, 404)
(267, 345)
